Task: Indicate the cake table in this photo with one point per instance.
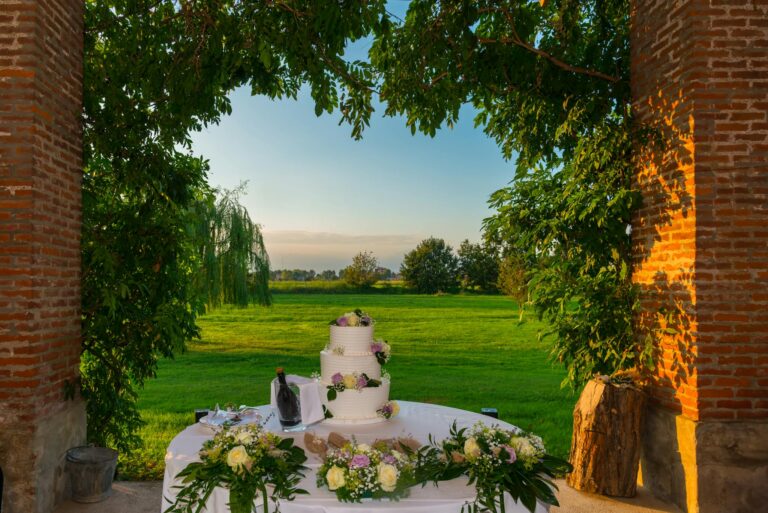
(417, 420)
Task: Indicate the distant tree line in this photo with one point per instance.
(381, 273)
(434, 267)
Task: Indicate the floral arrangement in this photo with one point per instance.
(354, 381)
(359, 471)
(389, 409)
(252, 463)
(382, 351)
(497, 461)
(353, 319)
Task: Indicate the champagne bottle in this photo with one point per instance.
(287, 402)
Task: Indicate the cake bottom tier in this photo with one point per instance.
(357, 406)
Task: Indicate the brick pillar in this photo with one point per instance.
(41, 47)
(700, 75)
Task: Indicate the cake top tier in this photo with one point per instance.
(351, 341)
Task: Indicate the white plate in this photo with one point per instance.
(214, 421)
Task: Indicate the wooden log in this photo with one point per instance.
(605, 448)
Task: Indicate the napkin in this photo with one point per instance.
(309, 398)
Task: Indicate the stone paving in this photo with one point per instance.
(144, 497)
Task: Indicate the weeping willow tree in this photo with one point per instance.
(235, 263)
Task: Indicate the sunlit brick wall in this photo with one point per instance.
(700, 75)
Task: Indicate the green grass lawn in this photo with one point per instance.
(463, 351)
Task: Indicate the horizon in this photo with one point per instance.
(322, 197)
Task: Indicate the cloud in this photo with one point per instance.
(320, 250)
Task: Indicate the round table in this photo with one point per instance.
(416, 420)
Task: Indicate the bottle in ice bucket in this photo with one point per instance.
(287, 399)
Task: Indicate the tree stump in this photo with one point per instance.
(605, 448)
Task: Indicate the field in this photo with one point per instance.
(463, 351)
(335, 287)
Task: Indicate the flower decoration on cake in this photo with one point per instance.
(359, 471)
(389, 409)
(353, 319)
(382, 351)
(354, 381)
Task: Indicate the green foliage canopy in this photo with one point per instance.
(431, 267)
(154, 71)
(550, 85)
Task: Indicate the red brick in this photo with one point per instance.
(40, 79)
(710, 87)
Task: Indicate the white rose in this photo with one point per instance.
(363, 447)
(388, 477)
(238, 458)
(244, 437)
(471, 449)
(335, 478)
(352, 319)
(525, 449)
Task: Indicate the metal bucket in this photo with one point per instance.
(91, 470)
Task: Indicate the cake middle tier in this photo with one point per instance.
(331, 363)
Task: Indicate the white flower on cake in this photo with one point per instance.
(352, 319)
(388, 477)
(350, 381)
(335, 478)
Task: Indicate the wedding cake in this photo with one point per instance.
(354, 389)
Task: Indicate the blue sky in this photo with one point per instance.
(321, 196)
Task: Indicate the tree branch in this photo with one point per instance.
(518, 41)
(551, 58)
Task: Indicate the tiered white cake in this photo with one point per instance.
(349, 353)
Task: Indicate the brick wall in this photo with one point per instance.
(700, 76)
(664, 228)
(732, 209)
(40, 173)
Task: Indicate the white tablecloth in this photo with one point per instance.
(416, 420)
